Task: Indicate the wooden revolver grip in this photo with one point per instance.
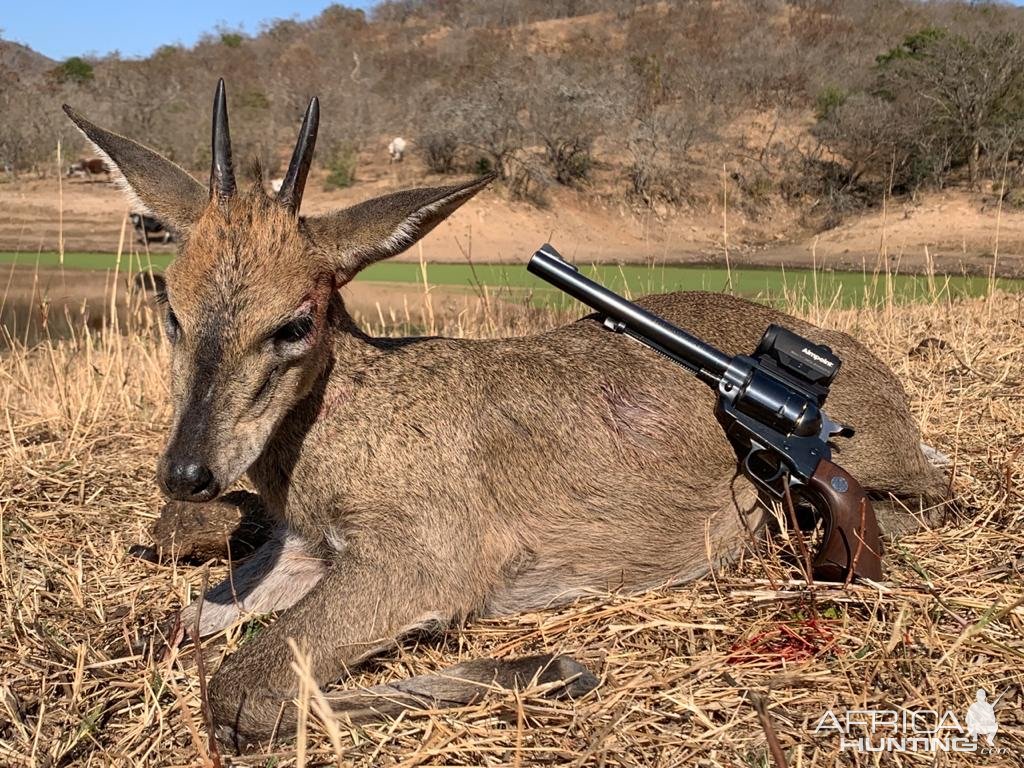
(853, 543)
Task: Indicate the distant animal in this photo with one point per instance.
(89, 167)
(418, 482)
(149, 230)
(396, 149)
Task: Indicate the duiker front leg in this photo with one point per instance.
(360, 607)
(276, 577)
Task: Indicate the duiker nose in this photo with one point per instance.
(190, 481)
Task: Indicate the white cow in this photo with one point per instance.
(397, 149)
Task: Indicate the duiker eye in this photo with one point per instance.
(294, 330)
(172, 325)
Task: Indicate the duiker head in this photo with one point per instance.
(251, 297)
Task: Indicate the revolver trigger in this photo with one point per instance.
(764, 473)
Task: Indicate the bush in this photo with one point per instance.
(528, 181)
(567, 110)
(821, 188)
(341, 166)
(339, 16)
(829, 100)
(955, 92)
(74, 70)
(755, 192)
(570, 159)
(1014, 198)
(660, 145)
(659, 182)
(866, 132)
(482, 166)
(439, 151)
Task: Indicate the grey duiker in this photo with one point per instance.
(419, 482)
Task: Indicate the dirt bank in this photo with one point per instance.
(954, 231)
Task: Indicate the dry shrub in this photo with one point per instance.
(341, 167)
(439, 151)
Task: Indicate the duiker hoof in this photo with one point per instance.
(244, 716)
(232, 526)
(579, 681)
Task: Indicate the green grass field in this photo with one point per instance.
(844, 288)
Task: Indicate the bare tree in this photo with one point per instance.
(487, 118)
(966, 87)
(566, 111)
(439, 149)
(865, 131)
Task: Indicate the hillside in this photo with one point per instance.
(770, 129)
(22, 60)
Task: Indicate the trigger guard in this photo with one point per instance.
(766, 482)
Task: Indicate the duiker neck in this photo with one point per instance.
(352, 345)
(348, 352)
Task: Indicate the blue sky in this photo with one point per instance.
(62, 29)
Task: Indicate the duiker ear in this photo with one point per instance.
(153, 183)
(386, 226)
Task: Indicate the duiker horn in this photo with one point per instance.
(222, 175)
(294, 182)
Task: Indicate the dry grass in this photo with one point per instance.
(683, 672)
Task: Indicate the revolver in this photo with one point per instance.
(769, 404)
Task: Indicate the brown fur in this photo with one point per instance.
(428, 480)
